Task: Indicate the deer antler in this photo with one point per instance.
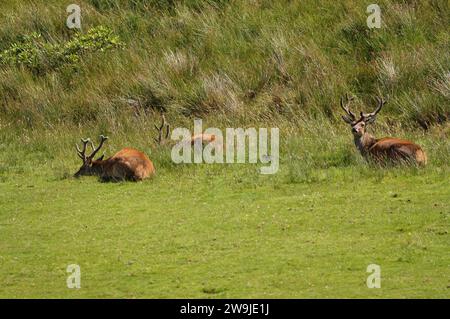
(371, 116)
(95, 150)
(82, 153)
(350, 117)
(160, 130)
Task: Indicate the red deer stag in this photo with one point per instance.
(127, 164)
(163, 136)
(205, 138)
(383, 150)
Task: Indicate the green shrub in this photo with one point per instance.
(40, 56)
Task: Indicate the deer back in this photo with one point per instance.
(204, 138)
(128, 163)
(397, 149)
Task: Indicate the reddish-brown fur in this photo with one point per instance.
(205, 138)
(397, 150)
(127, 164)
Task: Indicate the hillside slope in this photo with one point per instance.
(240, 61)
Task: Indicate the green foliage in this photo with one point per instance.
(41, 56)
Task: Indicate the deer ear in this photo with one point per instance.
(347, 119)
(101, 158)
(370, 119)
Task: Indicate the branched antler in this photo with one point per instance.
(160, 139)
(370, 117)
(82, 153)
(95, 150)
(350, 117)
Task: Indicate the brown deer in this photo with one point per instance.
(205, 138)
(127, 164)
(383, 150)
(162, 137)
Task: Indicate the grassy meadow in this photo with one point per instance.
(211, 230)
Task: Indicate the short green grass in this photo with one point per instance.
(213, 231)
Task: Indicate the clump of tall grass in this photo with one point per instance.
(442, 84)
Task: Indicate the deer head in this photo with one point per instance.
(359, 125)
(161, 136)
(90, 166)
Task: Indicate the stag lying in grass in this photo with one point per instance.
(127, 164)
(204, 138)
(385, 150)
(164, 132)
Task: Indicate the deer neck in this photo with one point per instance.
(364, 142)
(98, 166)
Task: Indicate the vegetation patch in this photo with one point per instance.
(41, 56)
